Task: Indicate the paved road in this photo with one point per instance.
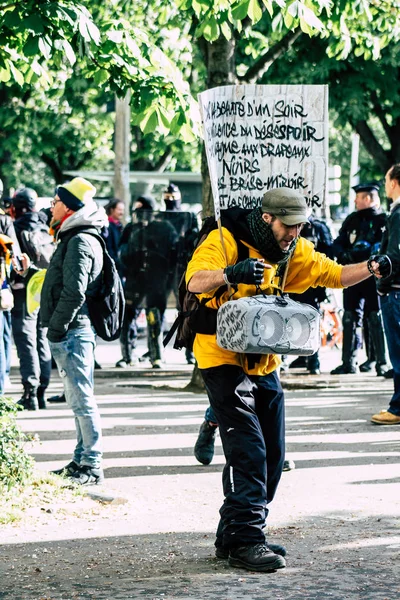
(337, 513)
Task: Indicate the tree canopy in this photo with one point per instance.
(61, 62)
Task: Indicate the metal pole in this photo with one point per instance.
(354, 169)
(122, 151)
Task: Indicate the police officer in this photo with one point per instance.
(317, 232)
(186, 226)
(359, 238)
(148, 255)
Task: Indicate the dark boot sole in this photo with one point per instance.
(274, 565)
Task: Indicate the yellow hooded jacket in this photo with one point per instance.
(307, 268)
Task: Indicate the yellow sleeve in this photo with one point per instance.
(309, 268)
(209, 256)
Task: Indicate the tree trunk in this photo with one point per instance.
(219, 58)
(383, 158)
(196, 384)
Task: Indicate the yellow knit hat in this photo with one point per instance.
(76, 193)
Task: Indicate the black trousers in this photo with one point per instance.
(361, 299)
(250, 414)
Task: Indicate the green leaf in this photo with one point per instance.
(45, 47)
(226, 30)
(288, 20)
(254, 11)
(311, 18)
(187, 134)
(100, 77)
(12, 18)
(150, 124)
(19, 78)
(241, 10)
(31, 47)
(70, 54)
(93, 31)
(211, 30)
(5, 74)
(268, 6)
(34, 23)
(115, 36)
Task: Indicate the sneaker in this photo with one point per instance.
(299, 363)
(385, 418)
(85, 475)
(68, 470)
(157, 364)
(257, 557)
(204, 447)
(222, 552)
(288, 465)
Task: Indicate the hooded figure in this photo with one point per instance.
(76, 270)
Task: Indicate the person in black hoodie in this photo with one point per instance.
(29, 336)
(359, 237)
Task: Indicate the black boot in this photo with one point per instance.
(313, 365)
(299, 363)
(57, 399)
(204, 447)
(29, 398)
(366, 366)
(351, 343)
(154, 340)
(257, 557)
(40, 396)
(378, 340)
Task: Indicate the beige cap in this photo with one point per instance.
(288, 205)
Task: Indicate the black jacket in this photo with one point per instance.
(74, 271)
(359, 236)
(391, 246)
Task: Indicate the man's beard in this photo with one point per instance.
(265, 241)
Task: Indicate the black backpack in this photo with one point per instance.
(107, 307)
(39, 246)
(194, 316)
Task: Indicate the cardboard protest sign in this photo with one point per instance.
(260, 137)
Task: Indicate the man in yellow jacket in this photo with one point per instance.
(244, 390)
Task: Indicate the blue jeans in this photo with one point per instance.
(390, 305)
(3, 362)
(74, 357)
(7, 337)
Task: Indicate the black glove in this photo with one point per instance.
(384, 262)
(250, 271)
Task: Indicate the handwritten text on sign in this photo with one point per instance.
(262, 137)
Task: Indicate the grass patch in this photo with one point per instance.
(42, 491)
